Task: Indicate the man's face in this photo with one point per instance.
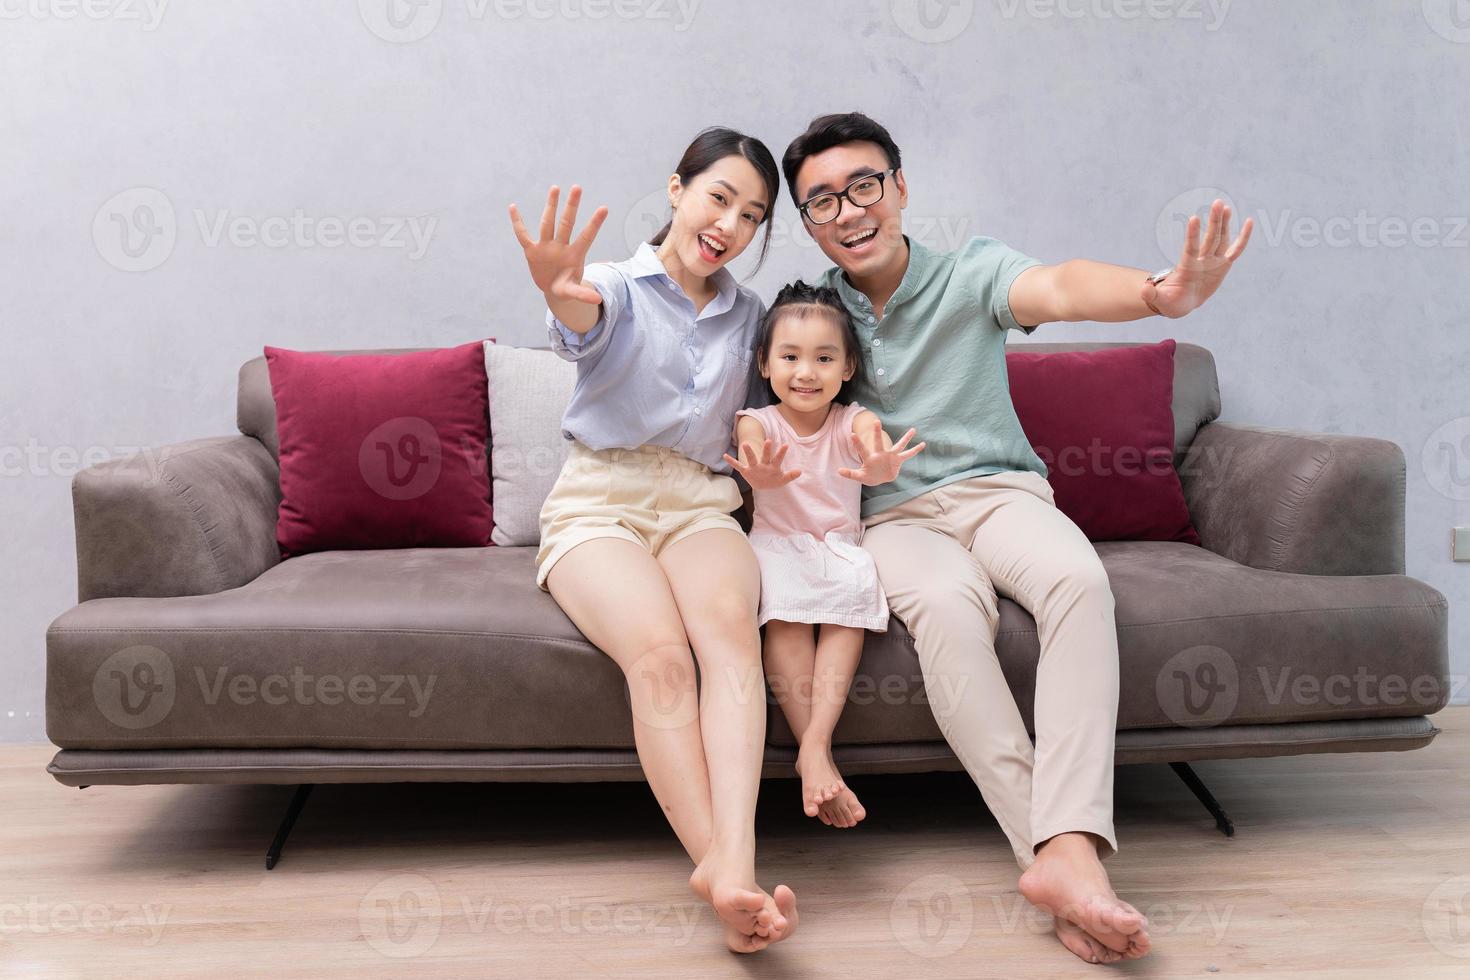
(861, 241)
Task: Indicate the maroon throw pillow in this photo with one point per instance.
(1103, 423)
(382, 450)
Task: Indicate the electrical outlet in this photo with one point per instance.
(1460, 544)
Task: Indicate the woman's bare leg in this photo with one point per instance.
(619, 597)
(716, 583)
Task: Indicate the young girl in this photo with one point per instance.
(807, 527)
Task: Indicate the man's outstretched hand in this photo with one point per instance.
(1202, 267)
(880, 465)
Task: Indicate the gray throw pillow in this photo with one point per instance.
(529, 392)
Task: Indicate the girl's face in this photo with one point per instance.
(808, 358)
(716, 214)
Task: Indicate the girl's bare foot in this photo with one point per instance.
(1068, 880)
(752, 919)
(823, 793)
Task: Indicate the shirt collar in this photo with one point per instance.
(912, 277)
(645, 262)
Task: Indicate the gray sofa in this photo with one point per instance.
(195, 654)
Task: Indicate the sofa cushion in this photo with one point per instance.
(457, 649)
(1102, 423)
(529, 392)
(381, 451)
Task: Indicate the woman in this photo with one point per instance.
(637, 543)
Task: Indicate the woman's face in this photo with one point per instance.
(716, 214)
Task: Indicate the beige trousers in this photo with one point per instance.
(943, 557)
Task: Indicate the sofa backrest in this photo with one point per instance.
(1196, 391)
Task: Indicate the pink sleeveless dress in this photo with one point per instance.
(807, 535)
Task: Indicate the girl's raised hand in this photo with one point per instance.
(557, 260)
(762, 470)
(880, 465)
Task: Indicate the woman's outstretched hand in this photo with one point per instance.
(762, 470)
(557, 260)
(880, 465)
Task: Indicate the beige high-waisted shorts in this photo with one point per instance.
(652, 496)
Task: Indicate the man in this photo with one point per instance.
(974, 516)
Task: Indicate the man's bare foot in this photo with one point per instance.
(751, 918)
(1075, 938)
(1068, 880)
(823, 793)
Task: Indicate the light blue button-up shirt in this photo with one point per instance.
(652, 371)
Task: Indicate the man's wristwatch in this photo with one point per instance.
(1157, 278)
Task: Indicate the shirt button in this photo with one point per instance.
(880, 372)
(869, 318)
(877, 342)
(699, 411)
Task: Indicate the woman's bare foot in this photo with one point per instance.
(823, 793)
(1068, 880)
(752, 919)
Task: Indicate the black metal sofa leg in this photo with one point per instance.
(293, 810)
(1203, 794)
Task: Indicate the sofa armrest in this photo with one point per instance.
(1289, 501)
(190, 519)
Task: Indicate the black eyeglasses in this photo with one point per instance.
(863, 192)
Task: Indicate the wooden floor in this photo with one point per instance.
(1342, 865)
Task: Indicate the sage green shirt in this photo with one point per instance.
(936, 362)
